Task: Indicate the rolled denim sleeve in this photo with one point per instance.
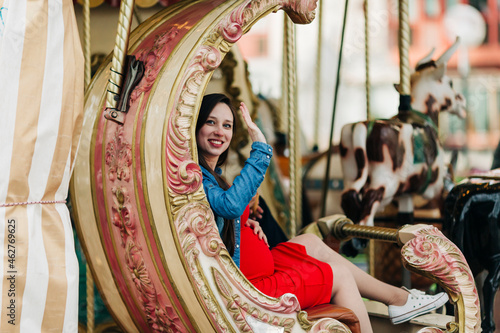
(231, 203)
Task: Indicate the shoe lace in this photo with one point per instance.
(414, 292)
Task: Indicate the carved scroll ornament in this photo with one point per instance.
(193, 219)
(431, 254)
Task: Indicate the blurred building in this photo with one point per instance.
(262, 48)
(475, 70)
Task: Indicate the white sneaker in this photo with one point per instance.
(417, 304)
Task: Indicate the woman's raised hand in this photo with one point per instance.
(253, 130)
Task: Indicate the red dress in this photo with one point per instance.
(287, 268)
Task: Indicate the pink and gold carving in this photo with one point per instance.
(450, 328)
(431, 254)
(118, 157)
(230, 28)
(240, 309)
(193, 218)
(121, 214)
(329, 325)
(184, 175)
(431, 330)
(301, 12)
(158, 317)
(193, 223)
(287, 303)
(153, 59)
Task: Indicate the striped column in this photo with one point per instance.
(41, 97)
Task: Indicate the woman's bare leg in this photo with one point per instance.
(368, 286)
(346, 294)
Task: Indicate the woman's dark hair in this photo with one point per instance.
(207, 105)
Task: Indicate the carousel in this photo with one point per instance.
(141, 215)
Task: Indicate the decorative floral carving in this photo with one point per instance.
(230, 27)
(118, 157)
(121, 213)
(153, 59)
(430, 253)
(139, 273)
(193, 222)
(159, 319)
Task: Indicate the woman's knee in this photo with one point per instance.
(306, 238)
(342, 278)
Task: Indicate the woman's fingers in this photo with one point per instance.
(251, 223)
(245, 113)
(253, 130)
(257, 230)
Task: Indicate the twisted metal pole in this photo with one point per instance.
(367, 60)
(405, 90)
(404, 61)
(371, 244)
(87, 76)
(317, 84)
(282, 121)
(343, 228)
(86, 41)
(90, 300)
(118, 61)
(293, 132)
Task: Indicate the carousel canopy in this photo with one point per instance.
(139, 3)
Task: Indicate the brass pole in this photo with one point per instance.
(293, 132)
(118, 61)
(87, 76)
(317, 85)
(404, 46)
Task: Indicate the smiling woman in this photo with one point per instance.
(215, 130)
(304, 266)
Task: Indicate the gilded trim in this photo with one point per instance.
(432, 255)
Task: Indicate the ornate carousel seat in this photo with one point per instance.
(471, 217)
(146, 228)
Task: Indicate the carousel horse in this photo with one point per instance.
(141, 213)
(471, 221)
(383, 160)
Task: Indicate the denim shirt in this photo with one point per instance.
(231, 203)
